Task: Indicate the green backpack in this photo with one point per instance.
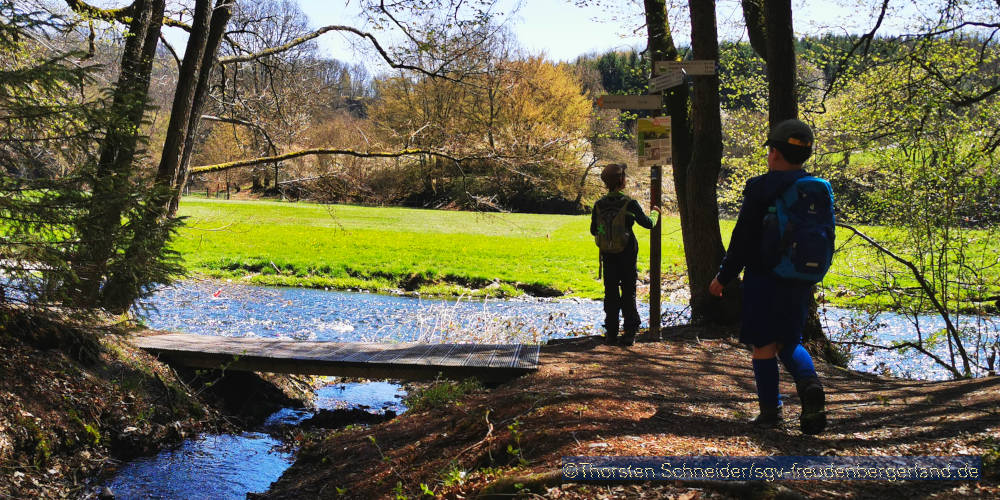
(613, 229)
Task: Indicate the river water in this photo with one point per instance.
(229, 466)
(219, 308)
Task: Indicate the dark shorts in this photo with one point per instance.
(774, 310)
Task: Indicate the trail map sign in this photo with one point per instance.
(654, 141)
(630, 101)
(692, 68)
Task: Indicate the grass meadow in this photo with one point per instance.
(437, 252)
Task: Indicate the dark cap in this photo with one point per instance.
(791, 132)
(613, 175)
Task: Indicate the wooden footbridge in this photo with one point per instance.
(400, 361)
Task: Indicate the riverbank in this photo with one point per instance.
(689, 395)
(76, 400)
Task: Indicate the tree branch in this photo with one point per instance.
(904, 345)
(237, 121)
(865, 40)
(326, 29)
(931, 295)
(85, 9)
(323, 151)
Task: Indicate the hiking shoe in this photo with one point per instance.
(610, 338)
(813, 418)
(628, 339)
(768, 417)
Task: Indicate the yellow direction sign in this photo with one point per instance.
(654, 141)
(702, 67)
(630, 101)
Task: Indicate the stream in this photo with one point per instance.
(229, 466)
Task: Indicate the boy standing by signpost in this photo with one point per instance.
(784, 240)
(611, 224)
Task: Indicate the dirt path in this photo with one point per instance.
(681, 397)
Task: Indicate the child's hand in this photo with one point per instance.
(715, 288)
(658, 212)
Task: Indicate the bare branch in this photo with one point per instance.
(237, 121)
(170, 48)
(324, 151)
(326, 29)
(120, 15)
(866, 41)
(905, 345)
(931, 295)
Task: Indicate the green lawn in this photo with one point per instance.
(382, 248)
(433, 251)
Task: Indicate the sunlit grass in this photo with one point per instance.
(436, 252)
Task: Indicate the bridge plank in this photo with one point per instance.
(403, 361)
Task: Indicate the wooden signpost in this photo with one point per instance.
(690, 68)
(665, 81)
(655, 150)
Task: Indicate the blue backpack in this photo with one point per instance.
(799, 231)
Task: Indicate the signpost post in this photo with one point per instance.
(653, 135)
(654, 148)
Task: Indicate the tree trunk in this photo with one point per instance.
(660, 46)
(696, 163)
(151, 234)
(101, 227)
(220, 18)
(782, 98)
(184, 97)
(704, 249)
(753, 16)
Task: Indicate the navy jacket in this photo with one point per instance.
(745, 245)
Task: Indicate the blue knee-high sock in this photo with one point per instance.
(797, 361)
(765, 373)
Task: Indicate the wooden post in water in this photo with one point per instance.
(655, 200)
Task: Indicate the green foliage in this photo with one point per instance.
(440, 393)
(514, 448)
(453, 475)
(75, 231)
(621, 72)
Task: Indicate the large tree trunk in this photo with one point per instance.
(703, 247)
(150, 236)
(101, 227)
(184, 97)
(697, 157)
(782, 96)
(220, 18)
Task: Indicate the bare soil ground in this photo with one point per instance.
(690, 395)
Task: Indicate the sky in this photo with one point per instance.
(562, 31)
